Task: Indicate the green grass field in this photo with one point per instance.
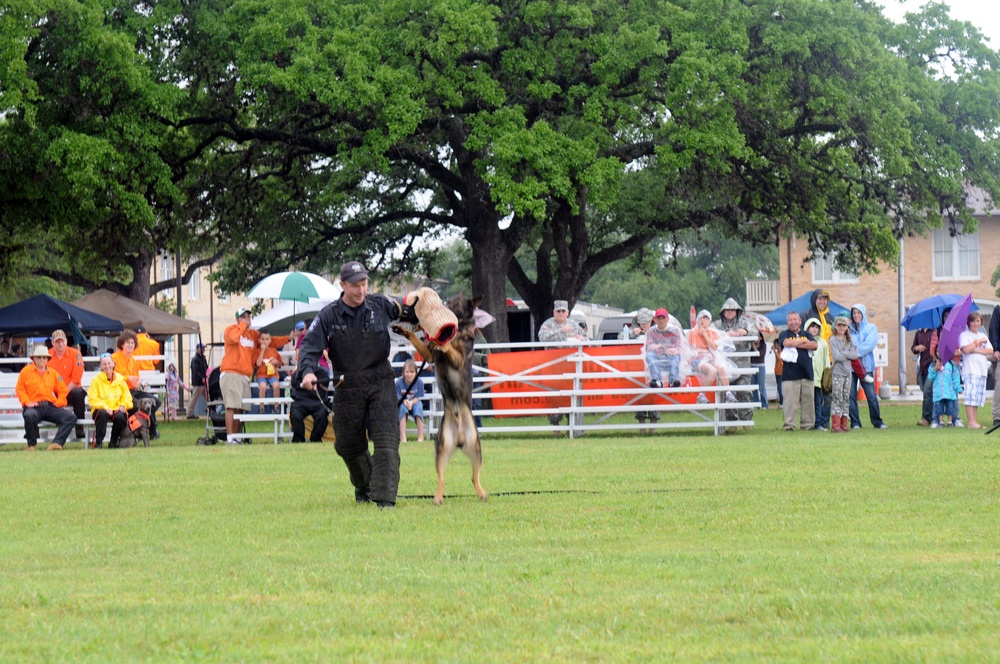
(873, 545)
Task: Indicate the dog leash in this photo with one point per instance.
(328, 390)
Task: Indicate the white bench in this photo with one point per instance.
(12, 424)
(279, 418)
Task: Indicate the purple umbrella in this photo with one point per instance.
(953, 328)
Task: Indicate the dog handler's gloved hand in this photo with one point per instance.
(308, 381)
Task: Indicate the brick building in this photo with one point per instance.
(935, 264)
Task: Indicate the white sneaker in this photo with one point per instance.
(730, 397)
(935, 424)
(702, 398)
(958, 423)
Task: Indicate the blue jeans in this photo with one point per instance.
(873, 410)
(418, 411)
(760, 394)
(658, 363)
(821, 403)
(947, 407)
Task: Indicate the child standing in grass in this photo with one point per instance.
(173, 387)
(410, 390)
(843, 352)
(947, 385)
(821, 360)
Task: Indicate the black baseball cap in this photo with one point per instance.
(352, 272)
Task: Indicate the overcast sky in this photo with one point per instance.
(984, 14)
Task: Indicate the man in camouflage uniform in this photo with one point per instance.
(560, 328)
(733, 322)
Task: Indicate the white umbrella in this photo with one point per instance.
(297, 286)
(282, 317)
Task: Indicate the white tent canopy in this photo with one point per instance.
(281, 318)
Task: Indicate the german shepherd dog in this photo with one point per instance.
(453, 369)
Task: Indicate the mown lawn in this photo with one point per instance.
(873, 545)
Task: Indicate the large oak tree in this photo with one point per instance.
(304, 132)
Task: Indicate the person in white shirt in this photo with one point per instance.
(976, 354)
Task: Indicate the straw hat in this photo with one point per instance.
(40, 351)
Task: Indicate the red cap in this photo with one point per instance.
(661, 312)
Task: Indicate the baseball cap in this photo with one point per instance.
(139, 329)
(200, 347)
(352, 272)
(241, 311)
(300, 325)
(58, 334)
(661, 312)
(560, 305)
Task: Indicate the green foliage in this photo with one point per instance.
(169, 305)
(24, 287)
(692, 270)
(757, 546)
(304, 133)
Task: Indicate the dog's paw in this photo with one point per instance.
(402, 331)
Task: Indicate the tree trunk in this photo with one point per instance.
(490, 257)
(141, 264)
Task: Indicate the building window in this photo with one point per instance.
(194, 286)
(824, 271)
(166, 267)
(954, 257)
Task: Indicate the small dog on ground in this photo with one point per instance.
(453, 368)
(130, 437)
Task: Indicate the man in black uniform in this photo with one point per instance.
(310, 402)
(354, 330)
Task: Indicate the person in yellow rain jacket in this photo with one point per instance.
(110, 399)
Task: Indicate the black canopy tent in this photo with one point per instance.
(40, 315)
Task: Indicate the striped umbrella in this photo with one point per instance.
(297, 286)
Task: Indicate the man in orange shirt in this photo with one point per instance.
(237, 366)
(42, 393)
(145, 345)
(68, 363)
